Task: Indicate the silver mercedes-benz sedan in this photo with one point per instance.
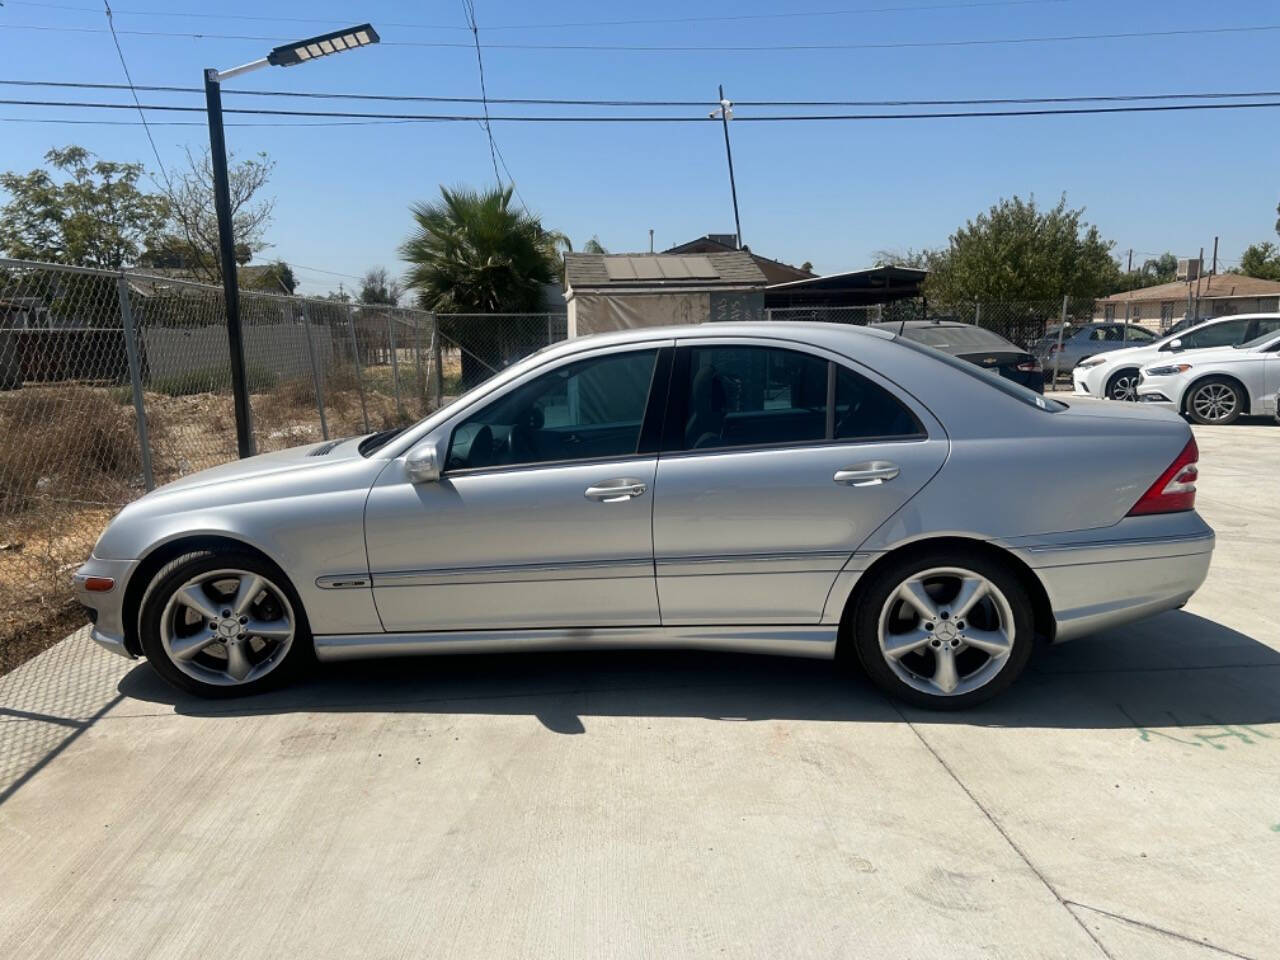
(810, 490)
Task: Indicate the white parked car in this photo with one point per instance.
(1217, 386)
(1114, 375)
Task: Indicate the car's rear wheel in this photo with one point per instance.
(943, 630)
(1123, 385)
(1215, 401)
(223, 624)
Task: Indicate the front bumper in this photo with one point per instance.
(1089, 381)
(1161, 392)
(1104, 578)
(107, 606)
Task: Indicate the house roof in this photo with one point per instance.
(717, 242)
(856, 287)
(661, 271)
(1215, 287)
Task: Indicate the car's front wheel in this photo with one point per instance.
(1215, 401)
(944, 630)
(1123, 385)
(223, 624)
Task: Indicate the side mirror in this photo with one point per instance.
(1175, 344)
(423, 463)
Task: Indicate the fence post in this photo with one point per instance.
(419, 381)
(355, 358)
(395, 362)
(315, 375)
(977, 313)
(135, 380)
(1062, 326)
(437, 360)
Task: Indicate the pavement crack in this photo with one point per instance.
(1154, 929)
(1005, 834)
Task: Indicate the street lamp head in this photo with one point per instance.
(303, 50)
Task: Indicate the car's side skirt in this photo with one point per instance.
(796, 641)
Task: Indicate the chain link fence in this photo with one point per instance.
(112, 383)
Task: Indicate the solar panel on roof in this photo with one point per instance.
(671, 267)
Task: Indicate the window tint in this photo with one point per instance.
(1218, 335)
(1267, 326)
(582, 411)
(748, 396)
(1140, 335)
(958, 339)
(865, 410)
(1104, 333)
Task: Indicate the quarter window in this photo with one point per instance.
(865, 410)
(588, 410)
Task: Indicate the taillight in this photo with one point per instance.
(1175, 490)
(1030, 366)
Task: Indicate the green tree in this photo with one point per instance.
(82, 210)
(594, 245)
(1261, 260)
(379, 287)
(472, 252)
(1017, 251)
(276, 277)
(192, 238)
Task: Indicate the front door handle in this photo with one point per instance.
(616, 491)
(868, 474)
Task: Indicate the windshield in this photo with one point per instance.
(990, 378)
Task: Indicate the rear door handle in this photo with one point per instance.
(616, 491)
(868, 474)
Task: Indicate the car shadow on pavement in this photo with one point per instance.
(1174, 670)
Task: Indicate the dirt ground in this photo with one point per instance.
(69, 459)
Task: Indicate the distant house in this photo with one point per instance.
(619, 291)
(1216, 295)
(775, 271)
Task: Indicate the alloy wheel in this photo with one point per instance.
(227, 627)
(1124, 387)
(1214, 402)
(946, 631)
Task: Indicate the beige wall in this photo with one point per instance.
(598, 313)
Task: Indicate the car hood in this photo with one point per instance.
(1204, 355)
(312, 456)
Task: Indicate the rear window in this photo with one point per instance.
(953, 339)
(993, 380)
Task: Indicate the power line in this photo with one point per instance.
(952, 115)
(469, 10)
(789, 15)
(200, 123)
(704, 49)
(547, 101)
(142, 116)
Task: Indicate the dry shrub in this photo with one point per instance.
(67, 442)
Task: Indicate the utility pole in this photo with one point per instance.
(1199, 274)
(725, 113)
(651, 239)
(1214, 271)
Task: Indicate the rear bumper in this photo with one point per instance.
(1141, 566)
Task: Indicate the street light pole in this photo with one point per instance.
(227, 249)
(289, 55)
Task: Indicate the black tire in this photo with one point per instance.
(301, 651)
(863, 624)
(1200, 390)
(1113, 383)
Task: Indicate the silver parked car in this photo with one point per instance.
(801, 489)
(1079, 343)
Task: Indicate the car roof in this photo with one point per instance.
(778, 329)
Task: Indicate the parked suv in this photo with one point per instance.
(1087, 340)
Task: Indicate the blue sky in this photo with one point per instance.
(831, 193)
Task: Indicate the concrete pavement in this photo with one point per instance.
(1119, 802)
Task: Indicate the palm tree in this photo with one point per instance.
(472, 252)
